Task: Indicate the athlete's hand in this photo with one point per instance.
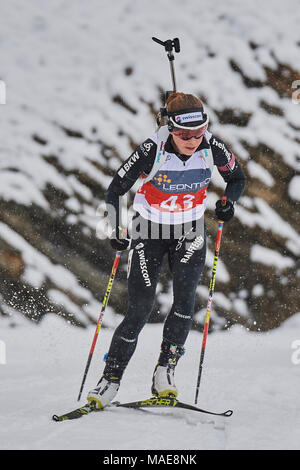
(225, 211)
(119, 240)
(120, 245)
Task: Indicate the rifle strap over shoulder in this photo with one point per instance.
(162, 136)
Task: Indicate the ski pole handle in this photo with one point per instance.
(100, 319)
(224, 200)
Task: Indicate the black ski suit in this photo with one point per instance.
(185, 249)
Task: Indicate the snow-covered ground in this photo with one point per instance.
(255, 374)
(65, 64)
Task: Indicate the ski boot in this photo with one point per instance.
(163, 383)
(107, 388)
(104, 393)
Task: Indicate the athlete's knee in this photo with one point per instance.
(141, 302)
(184, 301)
(135, 319)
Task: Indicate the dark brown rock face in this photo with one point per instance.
(52, 261)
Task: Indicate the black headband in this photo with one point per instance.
(189, 118)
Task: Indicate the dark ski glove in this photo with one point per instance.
(224, 212)
(119, 241)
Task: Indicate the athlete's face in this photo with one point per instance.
(187, 141)
(187, 147)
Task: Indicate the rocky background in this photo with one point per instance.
(83, 87)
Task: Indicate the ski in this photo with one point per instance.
(158, 402)
(75, 414)
(169, 402)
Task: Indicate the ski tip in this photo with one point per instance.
(56, 418)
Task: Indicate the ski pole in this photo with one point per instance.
(209, 302)
(100, 319)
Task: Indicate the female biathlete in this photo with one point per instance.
(176, 166)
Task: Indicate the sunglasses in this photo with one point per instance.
(187, 134)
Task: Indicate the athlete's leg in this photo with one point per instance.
(187, 263)
(187, 260)
(144, 262)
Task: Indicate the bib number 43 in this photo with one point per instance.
(176, 203)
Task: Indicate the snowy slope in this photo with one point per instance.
(255, 374)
